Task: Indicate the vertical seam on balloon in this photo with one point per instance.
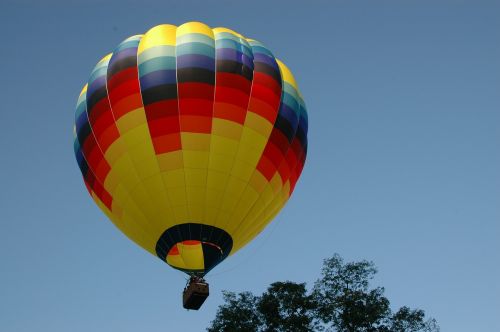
(277, 196)
(256, 170)
(205, 207)
(99, 147)
(129, 192)
(243, 126)
(180, 137)
(90, 169)
(155, 155)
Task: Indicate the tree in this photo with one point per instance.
(341, 300)
(284, 307)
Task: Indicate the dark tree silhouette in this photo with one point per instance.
(341, 300)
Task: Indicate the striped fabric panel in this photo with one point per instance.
(93, 163)
(248, 196)
(190, 126)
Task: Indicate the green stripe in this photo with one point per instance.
(155, 52)
(159, 63)
(195, 48)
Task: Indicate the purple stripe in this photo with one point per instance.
(233, 55)
(260, 57)
(98, 83)
(196, 61)
(289, 114)
(131, 51)
(158, 77)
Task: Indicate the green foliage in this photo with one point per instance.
(341, 300)
(285, 306)
(238, 313)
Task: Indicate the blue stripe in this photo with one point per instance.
(195, 61)
(158, 77)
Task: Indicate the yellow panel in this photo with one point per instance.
(268, 214)
(140, 235)
(159, 199)
(242, 171)
(137, 135)
(216, 180)
(84, 90)
(249, 155)
(181, 214)
(195, 159)
(131, 120)
(235, 187)
(211, 215)
(214, 197)
(223, 145)
(222, 29)
(114, 152)
(276, 183)
(227, 205)
(163, 34)
(145, 165)
(195, 141)
(258, 124)
(196, 196)
(254, 227)
(105, 59)
(170, 161)
(192, 255)
(252, 138)
(177, 196)
(226, 128)
(194, 27)
(175, 178)
(122, 170)
(220, 163)
(104, 208)
(176, 261)
(258, 181)
(142, 199)
(248, 198)
(196, 177)
(286, 74)
(223, 216)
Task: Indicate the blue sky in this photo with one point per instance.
(403, 165)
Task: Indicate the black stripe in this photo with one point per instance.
(235, 67)
(266, 69)
(127, 62)
(201, 75)
(84, 167)
(83, 133)
(301, 136)
(96, 97)
(158, 93)
(285, 127)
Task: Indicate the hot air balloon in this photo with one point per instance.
(190, 140)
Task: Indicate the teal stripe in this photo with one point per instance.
(155, 52)
(81, 106)
(258, 47)
(125, 45)
(227, 35)
(291, 101)
(159, 63)
(98, 72)
(195, 38)
(226, 43)
(195, 48)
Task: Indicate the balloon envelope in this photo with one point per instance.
(190, 140)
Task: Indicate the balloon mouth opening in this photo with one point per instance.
(194, 248)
